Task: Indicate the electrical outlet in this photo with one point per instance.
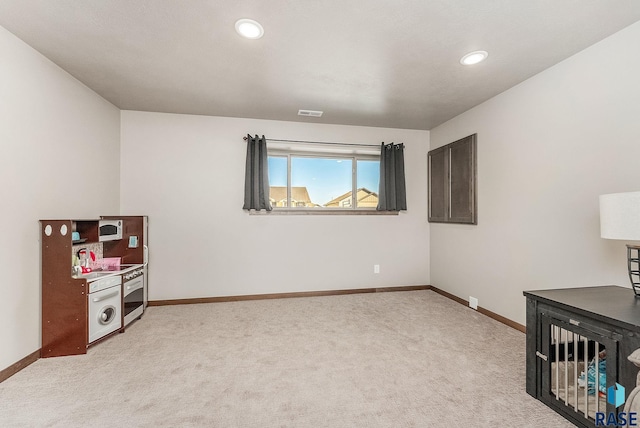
(473, 303)
(376, 268)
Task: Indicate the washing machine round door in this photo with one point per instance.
(106, 315)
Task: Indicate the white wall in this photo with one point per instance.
(187, 174)
(546, 149)
(59, 158)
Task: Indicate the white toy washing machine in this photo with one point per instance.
(105, 306)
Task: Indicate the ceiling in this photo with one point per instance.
(368, 62)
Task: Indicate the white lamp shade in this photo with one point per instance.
(620, 216)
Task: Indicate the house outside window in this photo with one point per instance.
(365, 198)
(323, 178)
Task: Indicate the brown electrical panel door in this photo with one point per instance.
(438, 173)
(452, 182)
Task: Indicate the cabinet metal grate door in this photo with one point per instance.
(578, 365)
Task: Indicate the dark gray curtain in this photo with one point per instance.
(392, 195)
(256, 178)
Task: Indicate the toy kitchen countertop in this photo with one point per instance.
(100, 274)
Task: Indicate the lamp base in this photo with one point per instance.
(633, 266)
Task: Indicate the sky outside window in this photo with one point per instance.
(368, 174)
(277, 171)
(325, 179)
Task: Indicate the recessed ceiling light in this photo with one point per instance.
(249, 28)
(474, 57)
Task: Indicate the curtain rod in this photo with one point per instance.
(377, 146)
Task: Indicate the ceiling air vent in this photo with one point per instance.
(310, 113)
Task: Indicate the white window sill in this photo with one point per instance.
(314, 211)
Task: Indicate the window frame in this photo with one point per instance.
(319, 154)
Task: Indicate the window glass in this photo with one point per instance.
(278, 181)
(368, 181)
(320, 182)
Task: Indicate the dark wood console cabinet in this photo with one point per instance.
(570, 329)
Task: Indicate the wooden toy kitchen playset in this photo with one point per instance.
(94, 280)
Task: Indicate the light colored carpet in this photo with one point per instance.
(401, 359)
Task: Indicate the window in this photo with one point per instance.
(310, 177)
